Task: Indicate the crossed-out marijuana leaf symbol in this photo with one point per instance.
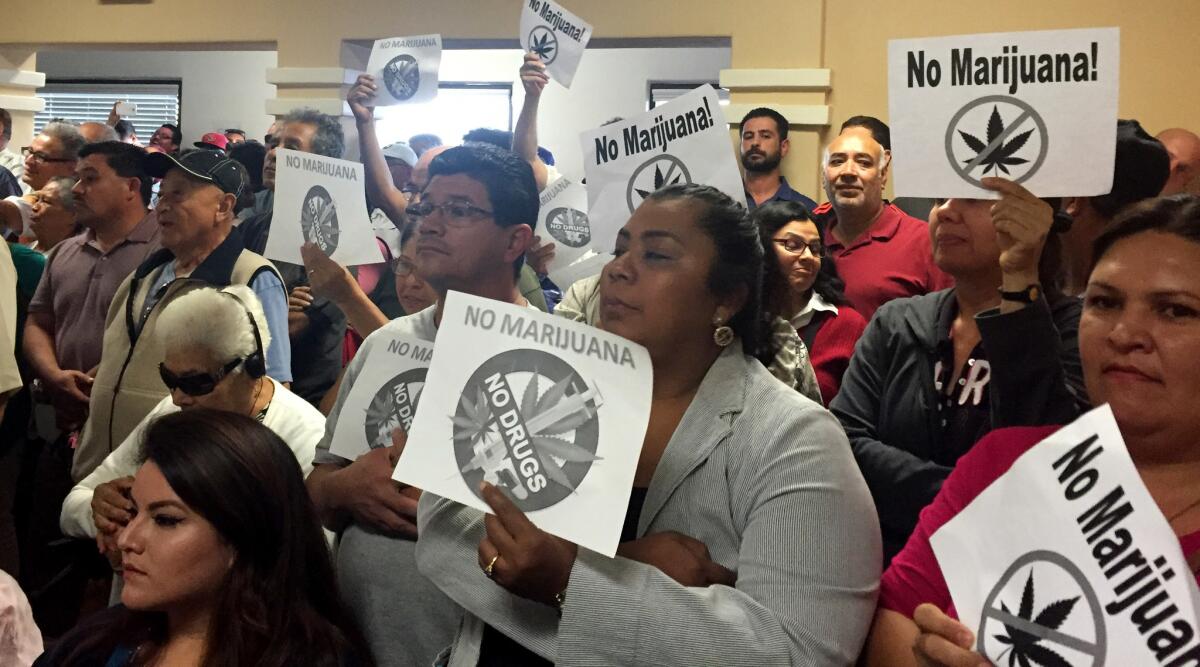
(1025, 648)
(543, 42)
(1002, 157)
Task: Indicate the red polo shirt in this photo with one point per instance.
(891, 260)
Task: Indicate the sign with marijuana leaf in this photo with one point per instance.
(1039, 108)
(556, 35)
(405, 69)
(1066, 560)
(563, 220)
(553, 412)
(384, 396)
(320, 200)
(683, 141)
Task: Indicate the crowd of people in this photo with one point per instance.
(832, 383)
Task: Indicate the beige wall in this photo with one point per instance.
(1159, 59)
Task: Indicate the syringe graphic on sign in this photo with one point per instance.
(517, 447)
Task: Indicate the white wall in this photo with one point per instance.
(221, 89)
(610, 82)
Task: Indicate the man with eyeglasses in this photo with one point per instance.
(52, 153)
(316, 326)
(476, 221)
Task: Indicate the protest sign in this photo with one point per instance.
(384, 396)
(1067, 553)
(320, 200)
(556, 35)
(1038, 108)
(683, 141)
(551, 411)
(405, 69)
(563, 221)
(386, 231)
(590, 264)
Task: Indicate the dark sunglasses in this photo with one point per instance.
(196, 384)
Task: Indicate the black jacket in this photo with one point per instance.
(888, 402)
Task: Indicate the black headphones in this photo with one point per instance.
(256, 363)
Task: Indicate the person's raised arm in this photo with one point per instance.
(333, 281)
(525, 141)
(380, 188)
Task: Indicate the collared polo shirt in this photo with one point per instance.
(891, 260)
(784, 193)
(78, 285)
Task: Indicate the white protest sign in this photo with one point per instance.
(556, 35)
(563, 221)
(384, 396)
(1038, 108)
(405, 68)
(386, 231)
(587, 266)
(683, 141)
(1067, 552)
(551, 411)
(320, 200)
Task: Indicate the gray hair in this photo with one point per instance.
(68, 135)
(107, 132)
(205, 318)
(65, 192)
(329, 139)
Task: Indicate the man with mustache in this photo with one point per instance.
(764, 145)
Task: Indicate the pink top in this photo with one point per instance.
(914, 576)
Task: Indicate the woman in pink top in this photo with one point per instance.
(1139, 339)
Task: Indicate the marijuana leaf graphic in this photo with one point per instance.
(476, 424)
(1002, 157)
(660, 181)
(542, 46)
(1026, 648)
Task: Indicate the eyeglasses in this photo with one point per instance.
(456, 214)
(796, 246)
(409, 192)
(196, 384)
(403, 267)
(29, 153)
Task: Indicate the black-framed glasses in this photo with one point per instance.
(797, 246)
(196, 384)
(403, 267)
(409, 191)
(456, 214)
(28, 152)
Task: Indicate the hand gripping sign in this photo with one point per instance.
(556, 35)
(406, 69)
(1067, 560)
(320, 200)
(384, 396)
(683, 141)
(552, 412)
(1039, 108)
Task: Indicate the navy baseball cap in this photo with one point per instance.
(211, 166)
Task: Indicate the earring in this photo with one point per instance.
(723, 334)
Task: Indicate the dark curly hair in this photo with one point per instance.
(769, 219)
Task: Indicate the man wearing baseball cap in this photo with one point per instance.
(213, 141)
(201, 248)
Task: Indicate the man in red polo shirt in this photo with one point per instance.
(881, 252)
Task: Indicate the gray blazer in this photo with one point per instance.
(764, 478)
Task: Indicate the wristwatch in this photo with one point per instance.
(1027, 295)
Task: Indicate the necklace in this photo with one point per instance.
(1186, 508)
(257, 392)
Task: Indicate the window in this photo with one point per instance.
(662, 92)
(81, 100)
(458, 108)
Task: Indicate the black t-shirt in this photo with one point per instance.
(498, 650)
(317, 352)
(964, 407)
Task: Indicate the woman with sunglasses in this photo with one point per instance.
(801, 284)
(216, 343)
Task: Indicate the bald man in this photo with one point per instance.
(1184, 148)
(94, 133)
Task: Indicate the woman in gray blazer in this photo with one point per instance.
(750, 539)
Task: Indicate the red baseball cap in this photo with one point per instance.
(212, 140)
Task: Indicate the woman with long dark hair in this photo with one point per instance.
(749, 536)
(225, 562)
(801, 284)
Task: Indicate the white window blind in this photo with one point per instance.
(80, 101)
